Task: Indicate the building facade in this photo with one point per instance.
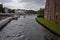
(52, 10)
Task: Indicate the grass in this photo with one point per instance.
(51, 25)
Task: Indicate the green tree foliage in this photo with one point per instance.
(30, 12)
(1, 9)
(41, 12)
(11, 11)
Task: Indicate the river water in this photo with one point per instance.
(26, 28)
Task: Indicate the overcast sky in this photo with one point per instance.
(24, 4)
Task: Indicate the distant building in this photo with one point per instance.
(19, 11)
(52, 10)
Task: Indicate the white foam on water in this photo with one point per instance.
(21, 36)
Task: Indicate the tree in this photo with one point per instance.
(41, 12)
(12, 11)
(1, 9)
(30, 12)
(9, 11)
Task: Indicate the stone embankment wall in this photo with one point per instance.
(5, 21)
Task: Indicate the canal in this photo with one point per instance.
(26, 28)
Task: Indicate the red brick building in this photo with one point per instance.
(52, 10)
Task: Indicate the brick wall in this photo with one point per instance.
(52, 10)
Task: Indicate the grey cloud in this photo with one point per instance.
(5, 1)
(35, 1)
(26, 4)
(34, 4)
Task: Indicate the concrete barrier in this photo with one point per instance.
(4, 22)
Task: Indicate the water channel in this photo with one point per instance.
(26, 28)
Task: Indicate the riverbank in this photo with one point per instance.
(53, 27)
(4, 22)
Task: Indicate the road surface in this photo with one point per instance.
(23, 29)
